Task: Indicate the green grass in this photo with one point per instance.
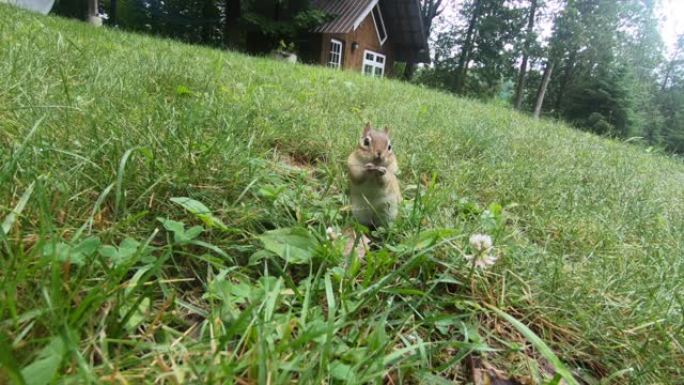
(106, 279)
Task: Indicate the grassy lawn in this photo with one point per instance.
(157, 183)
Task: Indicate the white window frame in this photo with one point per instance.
(373, 63)
(379, 25)
(333, 64)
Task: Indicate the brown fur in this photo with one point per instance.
(375, 192)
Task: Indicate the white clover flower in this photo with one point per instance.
(481, 242)
(482, 261)
(482, 256)
(332, 234)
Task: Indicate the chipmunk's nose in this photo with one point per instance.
(378, 154)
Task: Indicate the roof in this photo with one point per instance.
(404, 22)
(348, 14)
(402, 19)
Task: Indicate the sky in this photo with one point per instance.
(670, 13)
(672, 21)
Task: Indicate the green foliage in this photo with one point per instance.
(258, 26)
(294, 245)
(141, 245)
(200, 211)
(498, 27)
(538, 343)
(281, 20)
(608, 61)
(44, 368)
(600, 104)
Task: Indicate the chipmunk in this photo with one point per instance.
(375, 193)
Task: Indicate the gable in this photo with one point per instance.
(401, 19)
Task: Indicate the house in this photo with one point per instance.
(369, 35)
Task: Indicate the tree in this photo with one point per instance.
(670, 100)
(548, 69)
(268, 22)
(71, 8)
(464, 56)
(601, 103)
(676, 59)
(429, 10)
(232, 12)
(479, 60)
(112, 12)
(529, 38)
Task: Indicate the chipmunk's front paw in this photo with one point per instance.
(381, 170)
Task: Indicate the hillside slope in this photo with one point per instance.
(103, 280)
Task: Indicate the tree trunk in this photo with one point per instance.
(93, 12)
(92, 8)
(668, 72)
(667, 77)
(542, 89)
(567, 74)
(206, 28)
(409, 70)
(522, 74)
(464, 56)
(112, 12)
(231, 29)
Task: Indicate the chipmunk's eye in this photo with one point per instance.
(389, 147)
(366, 141)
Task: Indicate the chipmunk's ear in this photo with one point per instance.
(366, 129)
(386, 130)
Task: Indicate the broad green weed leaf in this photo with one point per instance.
(127, 249)
(231, 293)
(295, 245)
(42, 370)
(172, 226)
(87, 247)
(77, 255)
(260, 255)
(59, 251)
(193, 232)
(342, 372)
(180, 235)
(109, 252)
(201, 211)
(444, 322)
(193, 206)
(138, 315)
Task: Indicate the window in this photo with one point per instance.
(379, 24)
(373, 64)
(335, 54)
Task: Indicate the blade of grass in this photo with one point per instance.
(538, 343)
(12, 216)
(119, 195)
